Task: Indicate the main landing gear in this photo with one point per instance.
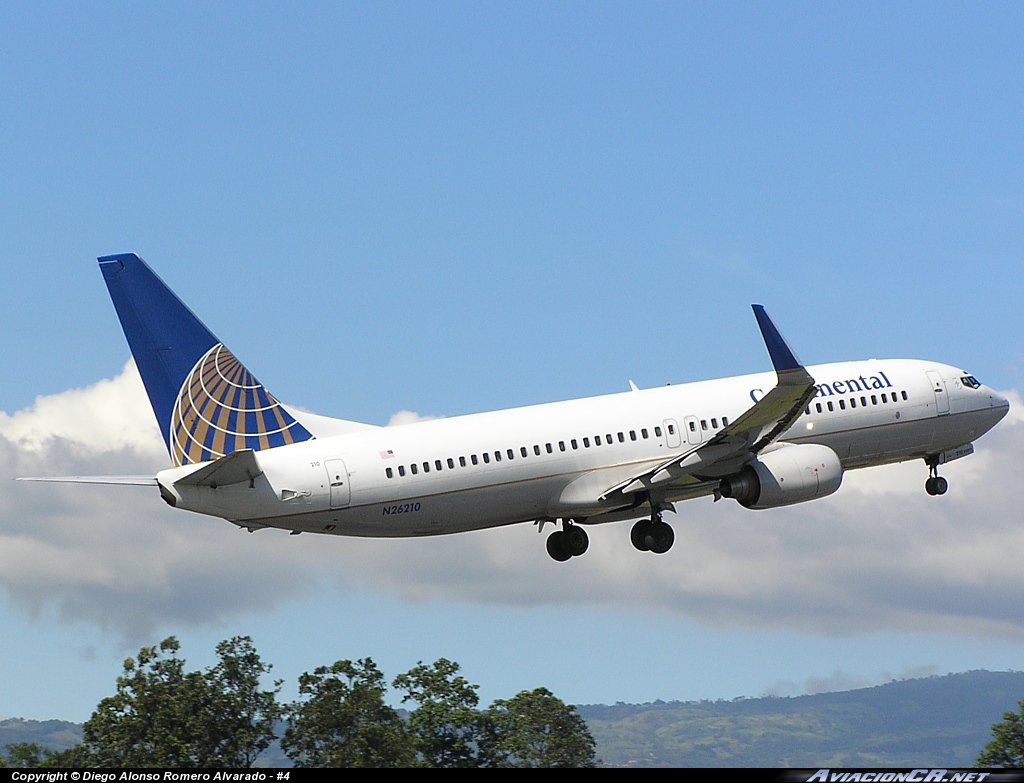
(652, 535)
(935, 485)
(571, 541)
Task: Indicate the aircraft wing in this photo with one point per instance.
(745, 437)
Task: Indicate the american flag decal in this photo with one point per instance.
(387, 454)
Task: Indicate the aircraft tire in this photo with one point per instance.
(660, 537)
(930, 486)
(575, 540)
(638, 535)
(941, 485)
(556, 546)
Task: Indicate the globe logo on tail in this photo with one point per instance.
(222, 408)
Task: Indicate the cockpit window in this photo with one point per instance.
(970, 381)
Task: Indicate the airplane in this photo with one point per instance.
(765, 440)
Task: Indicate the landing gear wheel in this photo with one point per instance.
(935, 485)
(557, 547)
(575, 540)
(659, 538)
(638, 535)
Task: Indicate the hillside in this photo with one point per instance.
(936, 721)
(52, 734)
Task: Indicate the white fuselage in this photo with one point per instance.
(557, 460)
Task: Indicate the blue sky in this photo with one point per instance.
(455, 207)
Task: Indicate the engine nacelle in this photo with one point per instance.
(788, 474)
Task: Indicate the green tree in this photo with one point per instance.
(165, 716)
(1007, 746)
(30, 754)
(446, 727)
(24, 755)
(244, 715)
(344, 722)
(157, 718)
(537, 729)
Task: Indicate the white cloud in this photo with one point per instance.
(880, 554)
(408, 417)
(117, 556)
(107, 416)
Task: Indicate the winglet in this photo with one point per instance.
(782, 355)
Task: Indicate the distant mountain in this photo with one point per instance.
(52, 734)
(936, 721)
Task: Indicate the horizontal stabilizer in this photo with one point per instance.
(128, 481)
(236, 467)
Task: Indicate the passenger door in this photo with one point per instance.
(337, 477)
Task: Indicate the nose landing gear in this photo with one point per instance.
(935, 485)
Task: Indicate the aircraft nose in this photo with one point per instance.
(999, 404)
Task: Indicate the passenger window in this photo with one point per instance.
(561, 445)
(462, 462)
(413, 468)
(714, 422)
(586, 443)
(622, 438)
(703, 424)
(842, 405)
(693, 428)
(497, 456)
(401, 470)
(511, 454)
(643, 434)
(808, 411)
(853, 402)
(885, 398)
(904, 395)
(608, 438)
(597, 440)
(437, 464)
(451, 463)
(874, 400)
(657, 432)
(830, 408)
(390, 473)
(426, 467)
(472, 458)
(672, 428)
(863, 402)
(632, 434)
(547, 447)
(536, 450)
(573, 443)
(725, 421)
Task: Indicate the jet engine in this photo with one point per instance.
(788, 474)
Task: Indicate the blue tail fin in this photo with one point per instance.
(206, 403)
